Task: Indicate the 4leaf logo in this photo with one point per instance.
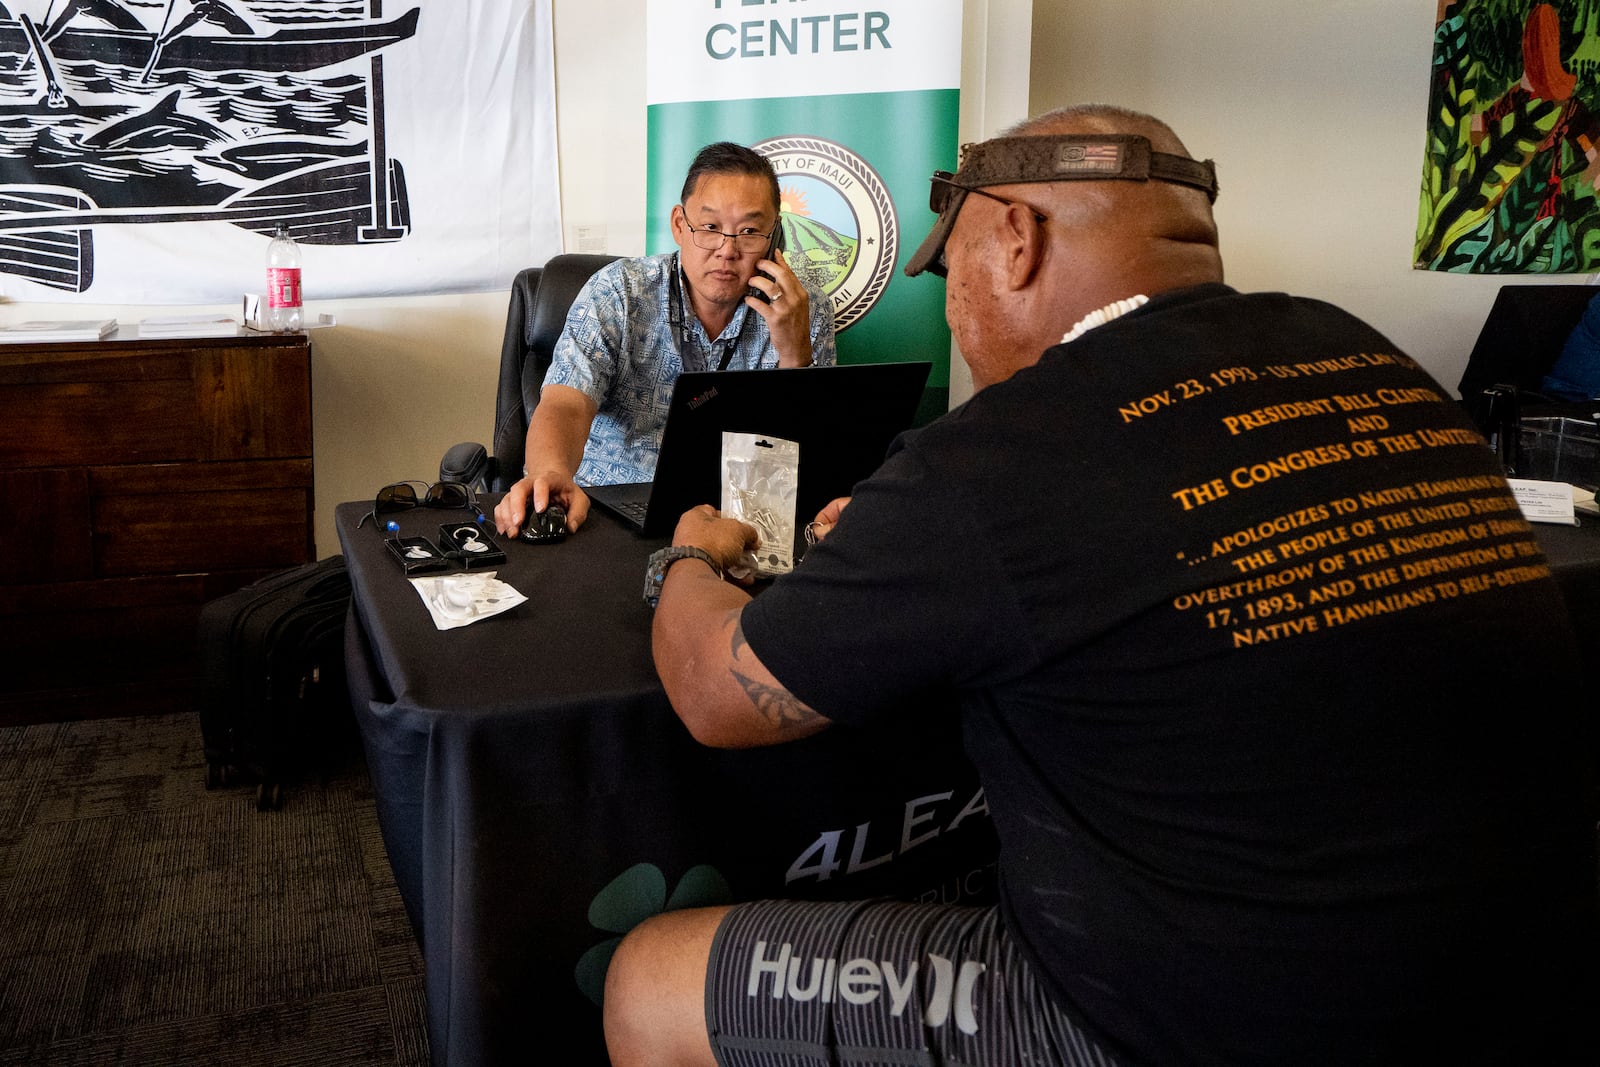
(632, 897)
(840, 231)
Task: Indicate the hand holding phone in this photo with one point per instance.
(786, 307)
(773, 246)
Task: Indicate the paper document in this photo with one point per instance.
(58, 330)
(461, 599)
(1544, 501)
(188, 326)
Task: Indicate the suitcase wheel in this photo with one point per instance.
(216, 774)
(269, 796)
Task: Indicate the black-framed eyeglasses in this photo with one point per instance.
(402, 496)
(711, 240)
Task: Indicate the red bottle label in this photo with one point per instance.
(283, 287)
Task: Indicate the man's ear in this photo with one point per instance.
(679, 223)
(1023, 240)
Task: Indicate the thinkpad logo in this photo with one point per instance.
(696, 401)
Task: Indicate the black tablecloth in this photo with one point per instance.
(538, 797)
(1574, 554)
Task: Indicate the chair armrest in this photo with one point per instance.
(468, 463)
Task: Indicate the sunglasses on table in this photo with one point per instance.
(402, 496)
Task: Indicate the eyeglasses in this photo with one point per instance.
(944, 190)
(711, 240)
(402, 496)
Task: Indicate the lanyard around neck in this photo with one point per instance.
(680, 324)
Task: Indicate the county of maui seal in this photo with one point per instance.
(839, 227)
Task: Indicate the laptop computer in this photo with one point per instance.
(844, 419)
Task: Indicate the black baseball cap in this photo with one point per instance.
(1053, 158)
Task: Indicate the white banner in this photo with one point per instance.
(736, 50)
(149, 147)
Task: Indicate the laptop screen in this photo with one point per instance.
(843, 418)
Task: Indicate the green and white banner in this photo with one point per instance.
(855, 102)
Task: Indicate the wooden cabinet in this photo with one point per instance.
(139, 479)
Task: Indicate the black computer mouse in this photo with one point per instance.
(545, 527)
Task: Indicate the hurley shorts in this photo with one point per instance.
(799, 984)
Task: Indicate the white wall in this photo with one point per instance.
(1314, 114)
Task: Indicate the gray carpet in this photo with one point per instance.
(145, 920)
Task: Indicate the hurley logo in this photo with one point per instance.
(861, 981)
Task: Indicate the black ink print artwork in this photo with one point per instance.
(250, 112)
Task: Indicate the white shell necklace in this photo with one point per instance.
(1115, 309)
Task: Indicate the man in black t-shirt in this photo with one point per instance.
(1235, 603)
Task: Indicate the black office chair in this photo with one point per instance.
(540, 297)
(1520, 341)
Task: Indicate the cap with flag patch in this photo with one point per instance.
(1055, 158)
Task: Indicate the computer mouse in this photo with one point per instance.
(545, 527)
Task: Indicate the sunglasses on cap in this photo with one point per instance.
(402, 496)
(1055, 158)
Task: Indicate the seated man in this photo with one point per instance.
(639, 322)
(1239, 611)
(1576, 373)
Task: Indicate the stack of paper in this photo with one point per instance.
(57, 330)
(188, 326)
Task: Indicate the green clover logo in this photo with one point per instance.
(632, 897)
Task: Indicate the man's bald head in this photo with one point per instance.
(1157, 235)
(1037, 240)
(1101, 118)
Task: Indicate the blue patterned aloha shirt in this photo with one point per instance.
(619, 348)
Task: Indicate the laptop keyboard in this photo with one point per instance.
(634, 509)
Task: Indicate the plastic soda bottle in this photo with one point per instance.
(283, 282)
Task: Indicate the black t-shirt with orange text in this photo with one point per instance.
(1263, 671)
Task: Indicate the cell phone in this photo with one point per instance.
(775, 245)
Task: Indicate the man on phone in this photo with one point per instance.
(726, 300)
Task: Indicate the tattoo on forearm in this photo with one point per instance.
(774, 703)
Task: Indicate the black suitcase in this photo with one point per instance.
(272, 695)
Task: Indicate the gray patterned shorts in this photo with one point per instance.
(799, 984)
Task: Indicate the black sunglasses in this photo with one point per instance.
(402, 496)
(943, 188)
(945, 192)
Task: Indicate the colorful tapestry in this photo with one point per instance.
(148, 148)
(1513, 149)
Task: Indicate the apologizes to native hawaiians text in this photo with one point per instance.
(1329, 563)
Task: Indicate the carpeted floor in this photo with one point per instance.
(147, 921)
